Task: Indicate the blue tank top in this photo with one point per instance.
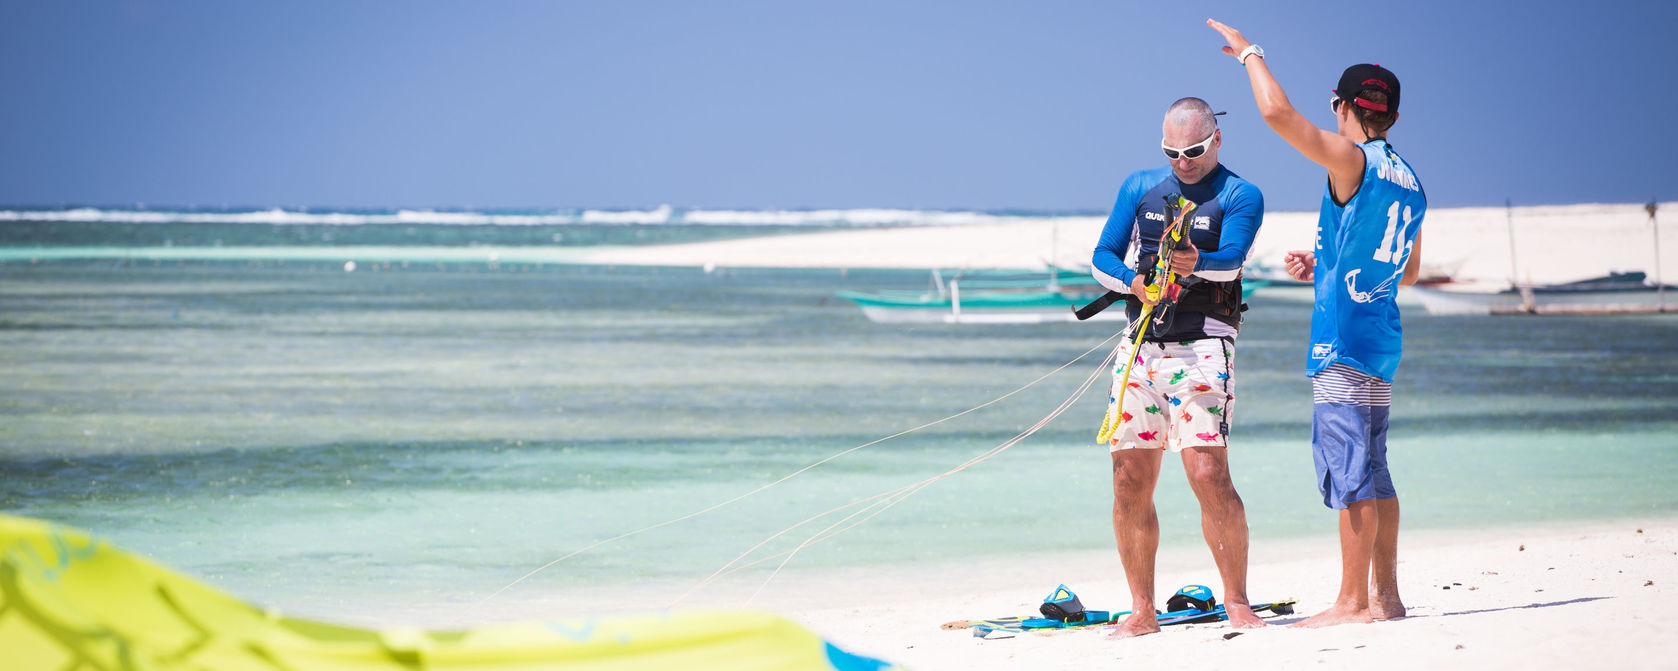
(1361, 250)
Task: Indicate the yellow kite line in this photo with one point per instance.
(70, 601)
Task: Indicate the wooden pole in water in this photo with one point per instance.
(1509, 210)
(1528, 304)
(1654, 224)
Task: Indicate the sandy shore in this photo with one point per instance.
(1549, 244)
(1583, 596)
(1579, 595)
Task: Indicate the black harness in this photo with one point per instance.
(1218, 300)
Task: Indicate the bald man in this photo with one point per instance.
(1179, 395)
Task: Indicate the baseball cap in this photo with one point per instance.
(1365, 77)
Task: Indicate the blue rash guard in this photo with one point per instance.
(1229, 212)
(1362, 247)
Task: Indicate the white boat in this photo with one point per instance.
(1615, 293)
(996, 297)
(988, 297)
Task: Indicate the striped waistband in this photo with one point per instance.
(1344, 385)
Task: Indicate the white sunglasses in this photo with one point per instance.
(1192, 151)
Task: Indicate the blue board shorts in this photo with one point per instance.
(1349, 436)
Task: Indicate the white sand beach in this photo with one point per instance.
(1557, 595)
(1547, 597)
(1471, 245)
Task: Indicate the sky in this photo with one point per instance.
(1030, 106)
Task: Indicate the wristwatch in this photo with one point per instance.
(1251, 50)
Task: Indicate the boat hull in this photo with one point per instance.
(946, 315)
(1621, 293)
(988, 307)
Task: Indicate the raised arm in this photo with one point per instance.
(1340, 155)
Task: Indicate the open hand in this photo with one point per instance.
(1237, 43)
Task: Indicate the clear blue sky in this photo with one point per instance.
(790, 104)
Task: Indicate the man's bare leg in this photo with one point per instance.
(1384, 602)
(1223, 521)
(1358, 528)
(1136, 527)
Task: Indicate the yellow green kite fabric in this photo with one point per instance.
(71, 602)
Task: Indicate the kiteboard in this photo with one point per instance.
(1192, 604)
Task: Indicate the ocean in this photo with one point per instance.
(310, 437)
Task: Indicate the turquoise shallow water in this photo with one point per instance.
(295, 432)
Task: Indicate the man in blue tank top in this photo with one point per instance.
(1180, 393)
(1368, 244)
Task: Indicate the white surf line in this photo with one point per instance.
(792, 475)
(887, 499)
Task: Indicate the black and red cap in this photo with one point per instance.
(1369, 77)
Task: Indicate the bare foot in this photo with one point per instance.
(1241, 616)
(1337, 614)
(1386, 607)
(1140, 623)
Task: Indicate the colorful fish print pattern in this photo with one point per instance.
(1180, 400)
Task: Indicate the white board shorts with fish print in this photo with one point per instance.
(1180, 394)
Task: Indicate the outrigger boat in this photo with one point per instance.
(992, 297)
(985, 297)
(1615, 293)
